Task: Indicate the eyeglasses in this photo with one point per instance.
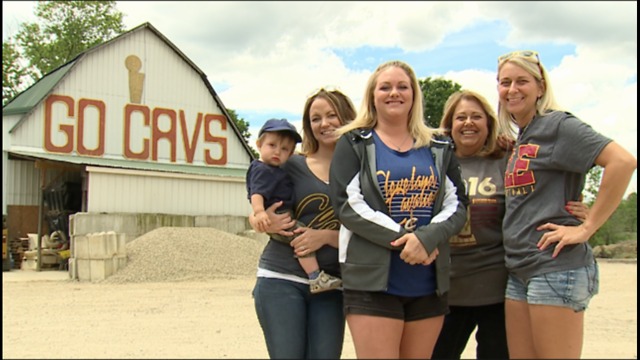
(531, 55)
(326, 88)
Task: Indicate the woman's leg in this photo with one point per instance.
(326, 325)
(375, 337)
(557, 302)
(419, 337)
(557, 331)
(282, 312)
(553, 314)
(519, 333)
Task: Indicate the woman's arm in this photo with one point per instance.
(578, 209)
(619, 166)
(453, 214)
(311, 240)
(279, 222)
(352, 209)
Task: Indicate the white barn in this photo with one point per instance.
(128, 132)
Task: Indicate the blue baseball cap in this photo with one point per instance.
(280, 125)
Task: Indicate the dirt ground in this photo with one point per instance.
(45, 316)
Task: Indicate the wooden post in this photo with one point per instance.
(43, 172)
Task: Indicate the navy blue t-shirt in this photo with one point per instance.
(272, 182)
(409, 183)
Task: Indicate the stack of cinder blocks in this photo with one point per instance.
(96, 256)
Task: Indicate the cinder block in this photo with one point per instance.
(122, 245)
(73, 269)
(72, 225)
(83, 269)
(101, 269)
(98, 246)
(112, 243)
(80, 247)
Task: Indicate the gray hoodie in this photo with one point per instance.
(367, 229)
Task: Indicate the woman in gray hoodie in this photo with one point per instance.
(399, 195)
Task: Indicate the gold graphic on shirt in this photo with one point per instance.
(410, 223)
(416, 192)
(326, 218)
(465, 236)
(484, 212)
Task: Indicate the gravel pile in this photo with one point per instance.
(171, 254)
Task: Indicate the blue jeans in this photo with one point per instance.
(297, 324)
(571, 288)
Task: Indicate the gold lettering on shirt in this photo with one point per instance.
(418, 191)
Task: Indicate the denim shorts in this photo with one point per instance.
(394, 306)
(568, 288)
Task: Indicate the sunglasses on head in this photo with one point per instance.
(522, 53)
(527, 54)
(327, 89)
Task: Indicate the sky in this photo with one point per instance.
(264, 58)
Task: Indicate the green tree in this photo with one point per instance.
(592, 184)
(630, 207)
(63, 30)
(243, 126)
(435, 93)
(621, 226)
(13, 73)
(623, 223)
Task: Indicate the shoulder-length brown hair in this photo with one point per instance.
(490, 148)
(338, 101)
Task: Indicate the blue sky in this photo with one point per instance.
(264, 58)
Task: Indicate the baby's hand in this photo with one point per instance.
(262, 221)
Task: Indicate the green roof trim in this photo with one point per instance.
(136, 165)
(28, 99)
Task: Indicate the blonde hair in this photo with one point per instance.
(368, 118)
(490, 148)
(532, 65)
(340, 103)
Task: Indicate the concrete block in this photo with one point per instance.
(73, 269)
(98, 246)
(80, 246)
(111, 239)
(84, 223)
(232, 224)
(122, 245)
(83, 269)
(148, 222)
(72, 225)
(101, 269)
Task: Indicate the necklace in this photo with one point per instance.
(398, 147)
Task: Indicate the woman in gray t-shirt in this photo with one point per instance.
(552, 271)
(478, 271)
(296, 323)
